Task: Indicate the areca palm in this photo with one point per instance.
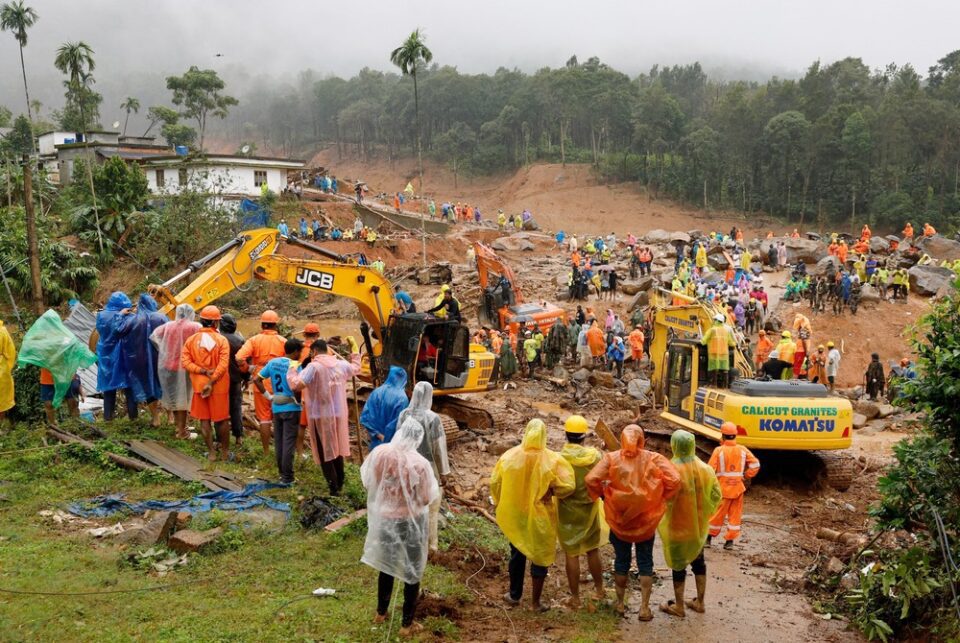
(408, 57)
(129, 105)
(75, 59)
(16, 18)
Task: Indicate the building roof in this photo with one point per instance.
(129, 155)
(226, 159)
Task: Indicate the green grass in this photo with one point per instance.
(239, 590)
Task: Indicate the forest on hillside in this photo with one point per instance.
(842, 143)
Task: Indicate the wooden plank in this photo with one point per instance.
(123, 461)
(609, 439)
(337, 525)
(183, 466)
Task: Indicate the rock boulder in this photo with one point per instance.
(511, 243)
(927, 280)
(657, 236)
(879, 244)
(942, 248)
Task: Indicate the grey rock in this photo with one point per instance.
(928, 280)
(941, 248)
(657, 236)
(886, 410)
(869, 293)
(859, 420)
(867, 409)
(879, 244)
(638, 388)
(581, 375)
(642, 298)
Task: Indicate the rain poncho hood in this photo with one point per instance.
(400, 486)
(111, 364)
(8, 355)
(50, 345)
(635, 485)
(383, 407)
(139, 354)
(683, 528)
(169, 340)
(582, 525)
(433, 447)
(525, 484)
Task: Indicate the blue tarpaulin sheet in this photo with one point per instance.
(223, 500)
(253, 215)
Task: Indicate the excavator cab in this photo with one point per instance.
(429, 349)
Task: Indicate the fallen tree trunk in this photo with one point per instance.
(843, 537)
(123, 461)
(470, 504)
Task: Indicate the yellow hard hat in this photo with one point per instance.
(575, 424)
(444, 288)
(786, 334)
(830, 344)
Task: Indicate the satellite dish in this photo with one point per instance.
(116, 124)
(245, 149)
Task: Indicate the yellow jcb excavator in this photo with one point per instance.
(789, 415)
(427, 348)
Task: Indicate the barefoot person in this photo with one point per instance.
(206, 356)
(635, 485)
(582, 529)
(400, 487)
(524, 486)
(683, 530)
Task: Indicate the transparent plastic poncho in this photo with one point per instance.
(525, 485)
(51, 345)
(169, 340)
(683, 529)
(433, 447)
(400, 487)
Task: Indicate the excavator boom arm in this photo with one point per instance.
(488, 261)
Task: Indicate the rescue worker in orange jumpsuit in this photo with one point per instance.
(795, 234)
(252, 356)
(842, 252)
(636, 339)
(635, 485)
(206, 356)
(928, 230)
(733, 464)
(908, 232)
(833, 249)
(764, 348)
(865, 233)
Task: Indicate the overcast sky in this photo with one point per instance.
(139, 42)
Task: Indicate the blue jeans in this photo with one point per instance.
(622, 554)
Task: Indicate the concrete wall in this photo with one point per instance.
(216, 178)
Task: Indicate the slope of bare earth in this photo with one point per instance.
(560, 197)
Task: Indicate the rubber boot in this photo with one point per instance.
(620, 582)
(646, 586)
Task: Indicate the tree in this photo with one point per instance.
(75, 60)
(121, 190)
(178, 134)
(20, 139)
(161, 114)
(6, 116)
(456, 143)
(856, 144)
(408, 56)
(198, 94)
(17, 18)
(785, 136)
(129, 105)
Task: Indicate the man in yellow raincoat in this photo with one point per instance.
(684, 527)
(701, 258)
(524, 486)
(583, 528)
(718, 340)
(8, 359)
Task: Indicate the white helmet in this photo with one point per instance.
(719, 317)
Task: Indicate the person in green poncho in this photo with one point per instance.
(508, 361)
(582, 527)
(683, 529)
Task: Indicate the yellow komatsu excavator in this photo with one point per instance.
(426, 347)
(778, 415)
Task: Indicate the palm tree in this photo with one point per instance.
(75, 59)
(408, 56)
(129, 105)
(17, 18)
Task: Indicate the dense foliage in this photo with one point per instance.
(915, 585)
(840, 143)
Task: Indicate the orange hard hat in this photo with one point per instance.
(311, 329)
(210, 312)
(269, 317)
(728, 428)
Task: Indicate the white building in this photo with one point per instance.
(226, 175)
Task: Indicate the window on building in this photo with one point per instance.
(259, 177)
(182, 176)
(160, 179)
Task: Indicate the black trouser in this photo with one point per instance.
(285, 426)
(518, 568)
(618, 364)
(333, 473)
(698, 567)
(236, 408)
(110, 404)
(410, 594)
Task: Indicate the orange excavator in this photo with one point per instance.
(502, 305)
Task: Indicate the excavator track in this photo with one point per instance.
(838, 468)
(473, 415)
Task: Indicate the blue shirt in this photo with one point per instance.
(303, 227)
(276, 371)
(283, 229)
(403, 298)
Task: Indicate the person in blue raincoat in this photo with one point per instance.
(139, 353)
(111, 363)
(383, 407)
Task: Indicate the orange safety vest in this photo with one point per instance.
(733, 463)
